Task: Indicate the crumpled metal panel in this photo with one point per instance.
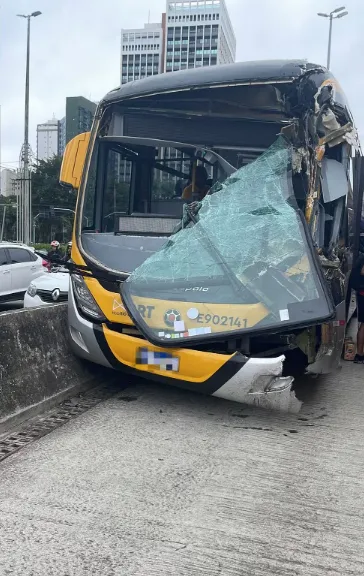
(334, 180)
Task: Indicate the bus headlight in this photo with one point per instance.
(85, 300)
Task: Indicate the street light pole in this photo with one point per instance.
(337, 13)
(25, 192)
(26, 119)
(329, 46)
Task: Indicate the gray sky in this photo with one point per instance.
(75, 50)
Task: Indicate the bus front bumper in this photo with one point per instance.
(254, 381)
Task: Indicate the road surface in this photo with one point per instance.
(158, 482)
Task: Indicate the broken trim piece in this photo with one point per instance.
(260, 383)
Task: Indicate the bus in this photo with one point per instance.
(226, 288)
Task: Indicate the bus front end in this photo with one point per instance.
(224, 288)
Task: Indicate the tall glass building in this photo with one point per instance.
(198, 33)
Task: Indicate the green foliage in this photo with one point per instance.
(46, 192)
(42, 246)
(46, 189)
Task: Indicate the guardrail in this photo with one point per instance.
(37, 367)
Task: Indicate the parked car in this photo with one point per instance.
(19, 266)
(51, 288)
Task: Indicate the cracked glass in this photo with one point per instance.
(241, 263)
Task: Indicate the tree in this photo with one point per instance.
(47, 192)
(46, 189)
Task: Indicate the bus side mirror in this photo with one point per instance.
(74, 160)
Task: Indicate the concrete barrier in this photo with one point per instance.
(37, 366)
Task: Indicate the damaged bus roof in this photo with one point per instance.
(261, 71)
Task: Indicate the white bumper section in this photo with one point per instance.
(260, 383)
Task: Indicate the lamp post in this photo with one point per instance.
(337, 13)
(25, 192)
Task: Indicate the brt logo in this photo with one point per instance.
(146, 311)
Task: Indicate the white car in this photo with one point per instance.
(52, 288)
(19, 266)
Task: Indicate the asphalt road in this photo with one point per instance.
(159, 482)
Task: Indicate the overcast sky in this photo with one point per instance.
(75, 50)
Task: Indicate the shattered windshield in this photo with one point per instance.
(244, 263)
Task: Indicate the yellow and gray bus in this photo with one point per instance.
(224, 295)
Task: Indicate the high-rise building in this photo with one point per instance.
(48, 139)
(79, 116)
(192, 33)
(198, 33)
(10, 182)
(141, 52)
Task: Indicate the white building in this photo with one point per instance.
(9, 182)
(48, 139)
(199, 33)
(141, 52)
